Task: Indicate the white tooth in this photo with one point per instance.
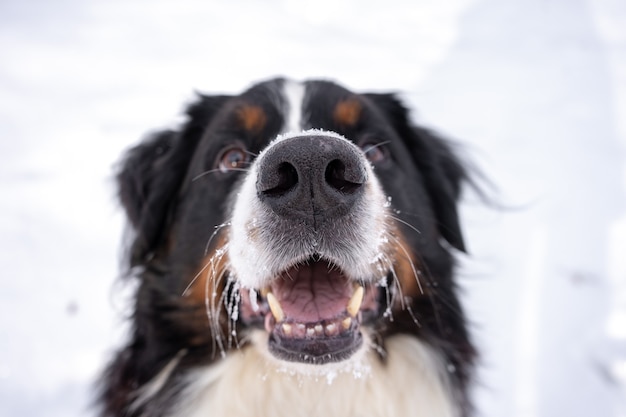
(277, 310)
(287, 329)
(345, 323)
(318, 329)
(355, 302)
(331, 328)
(310, 331)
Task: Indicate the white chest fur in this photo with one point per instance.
(412, 382)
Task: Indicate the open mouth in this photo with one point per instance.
(312, 312)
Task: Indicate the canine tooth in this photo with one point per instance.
(287, 329)
(345, 323)
(276, 309)
(355, 302)
(318, 329)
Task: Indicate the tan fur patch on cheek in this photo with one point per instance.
(347, 112)
(208, 284)
(407, 270)
(206, 309)
(252, 118)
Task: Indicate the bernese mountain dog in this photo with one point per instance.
(294, 251)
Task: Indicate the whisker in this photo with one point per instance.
(390, 297)
(223, 302)
(377, 145)
(230, 299)
(213, 282)
(219, 253)
(415, 320)
(210, 171)
(399, 220)
(207, 307)
(215, 232)
(195, 278)
(213, 313)
(398, 286)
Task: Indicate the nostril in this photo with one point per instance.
(285, 179)
(335, 176)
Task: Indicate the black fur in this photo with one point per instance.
(153, 171)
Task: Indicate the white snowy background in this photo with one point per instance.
(535, 89)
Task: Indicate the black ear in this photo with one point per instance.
(152, 172)
(442, 170)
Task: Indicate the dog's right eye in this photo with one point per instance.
(375, 152)
(233, 158)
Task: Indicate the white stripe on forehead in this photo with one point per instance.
(293, 93)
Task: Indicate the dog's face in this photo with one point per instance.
(315, 218)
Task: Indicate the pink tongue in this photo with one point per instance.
(312, 293)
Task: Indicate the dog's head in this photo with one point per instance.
(317, 219)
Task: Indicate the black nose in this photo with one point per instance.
(314, 178)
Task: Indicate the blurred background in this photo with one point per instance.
(534, 89)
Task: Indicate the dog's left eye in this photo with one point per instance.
(232, 159)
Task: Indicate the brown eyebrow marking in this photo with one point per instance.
(347, 112)
(252, 118)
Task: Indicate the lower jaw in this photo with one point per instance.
(317, 351)
(354, 362)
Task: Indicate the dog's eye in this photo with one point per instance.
(375, 152)
(233, 159)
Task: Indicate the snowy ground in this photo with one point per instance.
(536, 89)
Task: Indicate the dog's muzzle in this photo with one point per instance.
(308, 241)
